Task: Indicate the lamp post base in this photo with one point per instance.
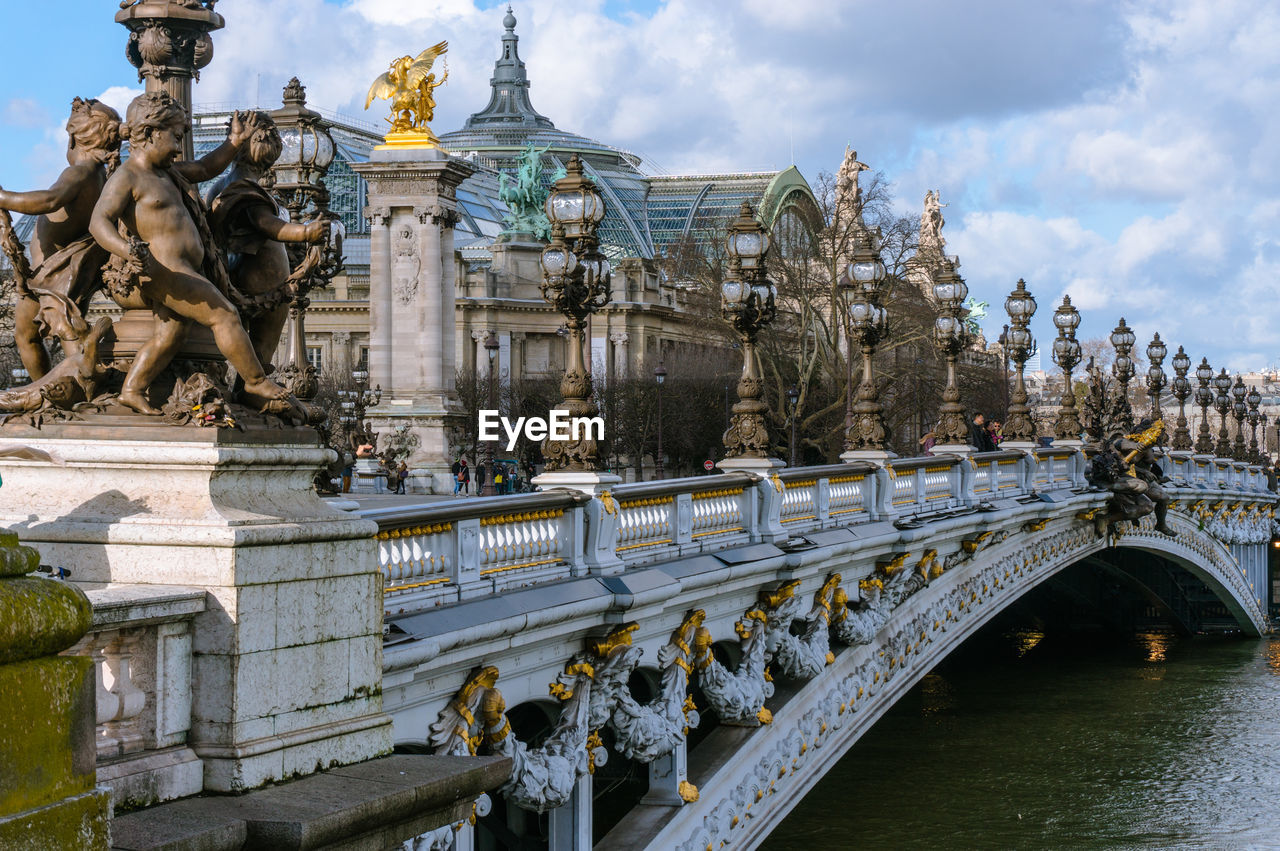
(584, 481)
(879, 457)
(759, 466)
(961, 449)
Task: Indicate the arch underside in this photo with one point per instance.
(758, 779)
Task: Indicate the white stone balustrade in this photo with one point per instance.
(433, 554)
(141, 646)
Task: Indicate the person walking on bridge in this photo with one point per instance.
(979, 436)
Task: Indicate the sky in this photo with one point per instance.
(1123, 151)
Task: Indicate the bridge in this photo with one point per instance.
(732, 636)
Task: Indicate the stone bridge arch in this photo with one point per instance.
(757, 781)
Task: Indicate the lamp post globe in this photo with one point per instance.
(1181, 388)
(1156, 378)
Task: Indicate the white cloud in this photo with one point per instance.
(25, 112)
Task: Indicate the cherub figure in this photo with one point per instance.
(169, 249)
(252, 226)
(66, 261)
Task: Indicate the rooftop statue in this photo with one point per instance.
(410, 85)
(931, 222)
(525, 199)
(848, 190)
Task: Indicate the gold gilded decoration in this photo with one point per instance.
(1035, 525)
(410, 85)
(593, 742)
(929, 566)
(619, 636)
(773, 599)
(764, 716)
(972, 545)
(610, 504)
(688, 792)
(892, 565)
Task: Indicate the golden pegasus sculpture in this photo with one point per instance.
(410, 84)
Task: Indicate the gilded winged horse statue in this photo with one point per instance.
(410, 85)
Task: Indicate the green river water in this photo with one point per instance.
(1022, 741)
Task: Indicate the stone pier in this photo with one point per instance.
(287, 653)
(412, 282)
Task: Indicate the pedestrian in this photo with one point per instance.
(997, 433)
(979, 437)
(402, 475)
(927, 442)
(481, 474)
(348, 470)
(456, 470)
(497, 479)
(466, 478)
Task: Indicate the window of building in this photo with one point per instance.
(364, 358)
(315, 357)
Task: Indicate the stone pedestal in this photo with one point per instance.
(591, 484)
(412, 207)
(759, 466)
(962, 449)
(879, 457)
(287, 660)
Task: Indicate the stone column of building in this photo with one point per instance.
(379, 298)
(516, 368)
(412, 303)
(481, 357)
(621, 364)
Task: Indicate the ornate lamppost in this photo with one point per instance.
(1204, 398)
(1123, 338)
(354, 403)
(307, 153)
(1156, 378)
(748, 300)
(491, 347)
(1253, 398)
(862, 287)
(1264, 454)
(951, 336)
(1019, 430)
(1181, 387)
(1066, 354)
(793, 399)
(659, 375)
(169, 43)
(1239, 410)
(1223, 403)
(575, 280)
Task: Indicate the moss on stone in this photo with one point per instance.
(46, 739)
(79, 823)
(40, 617)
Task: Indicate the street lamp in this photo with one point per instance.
(1019, 345)
(1223, 403)
(1204, 398)
(1066, 354)
(1181, 387)
(354, 404)
(748, 300)
(1156, 378)
(491, 346)
(862, 287)
(1253, 399)
(307, 151)
(659, 375)
(951, 335)
(1264, 454)
(793, 399)
(575, 280)
(1239, 410)
(1123, 338)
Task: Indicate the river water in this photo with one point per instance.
(1144, 740)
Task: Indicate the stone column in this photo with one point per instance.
(481, 356)
(287, 655)
(416, 268)
(515, 367)
(621, 364)
(379, 298)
